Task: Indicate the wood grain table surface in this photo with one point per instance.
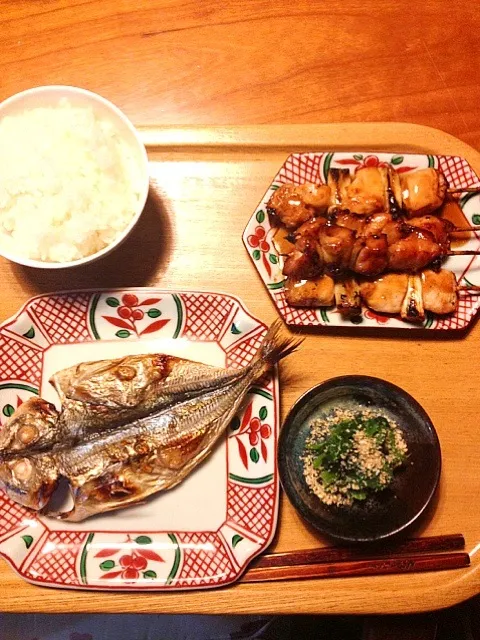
(251, 63)
(236, 62)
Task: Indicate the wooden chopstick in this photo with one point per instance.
(378, 566)
(449, 542)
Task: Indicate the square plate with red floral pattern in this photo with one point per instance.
(314, 167)
(204, 532)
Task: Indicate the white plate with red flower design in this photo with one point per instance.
(204, 532)
(314, 167)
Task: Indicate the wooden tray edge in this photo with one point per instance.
(375, 136)
(387, 136)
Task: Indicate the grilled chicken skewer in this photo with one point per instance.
(332, 246)
(325, 292)
(363, 225)
(442, 229)
(408, 295)
(411, 296)
(370, 190)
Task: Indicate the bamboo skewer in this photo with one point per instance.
(463, 190)
(410, 556)
(463, 252)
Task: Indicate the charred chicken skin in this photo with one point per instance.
(394, 245)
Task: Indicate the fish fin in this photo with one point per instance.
(277, 345)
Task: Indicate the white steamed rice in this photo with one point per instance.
(69, 183)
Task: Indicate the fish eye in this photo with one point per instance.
(27, 434)
(21, 469)
(126, 373)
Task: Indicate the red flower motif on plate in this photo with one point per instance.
(379, 317)
(361, 162)
(129, 314)
(258, 432)
(261, 247)
(130, 566)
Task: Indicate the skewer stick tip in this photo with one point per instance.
(453, 190)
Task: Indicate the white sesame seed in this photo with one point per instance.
(365, 457)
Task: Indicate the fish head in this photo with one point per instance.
(29, 480)
(113, 383)
(32, 425)
(131, 481)
(119, 486)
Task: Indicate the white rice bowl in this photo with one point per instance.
(73, 177)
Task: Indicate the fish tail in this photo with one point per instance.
(275, 346)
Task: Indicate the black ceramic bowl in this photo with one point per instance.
(389, 512)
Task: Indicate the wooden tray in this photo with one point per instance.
(206, 182)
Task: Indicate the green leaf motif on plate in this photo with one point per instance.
(254, 455)
(256, 254)
(273, 258)
(107, 565)
(476, 218)
(8, 410)
(260, 216)
(276, 285)
(28, 541)
(143, 540)
(274, 187)
(113, 302)
(465, 199)
(123, 333)
(154, 313)
(235, 330)
(263, 413)
(326, 165)
(30, 333)
(397, 160)
(358, 156)
(150, 574)
(235, 424)
(236, 539)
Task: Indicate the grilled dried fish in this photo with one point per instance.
(35, 421)
(29, 480)
(108, 393)
(141, 383)
(123, 466)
